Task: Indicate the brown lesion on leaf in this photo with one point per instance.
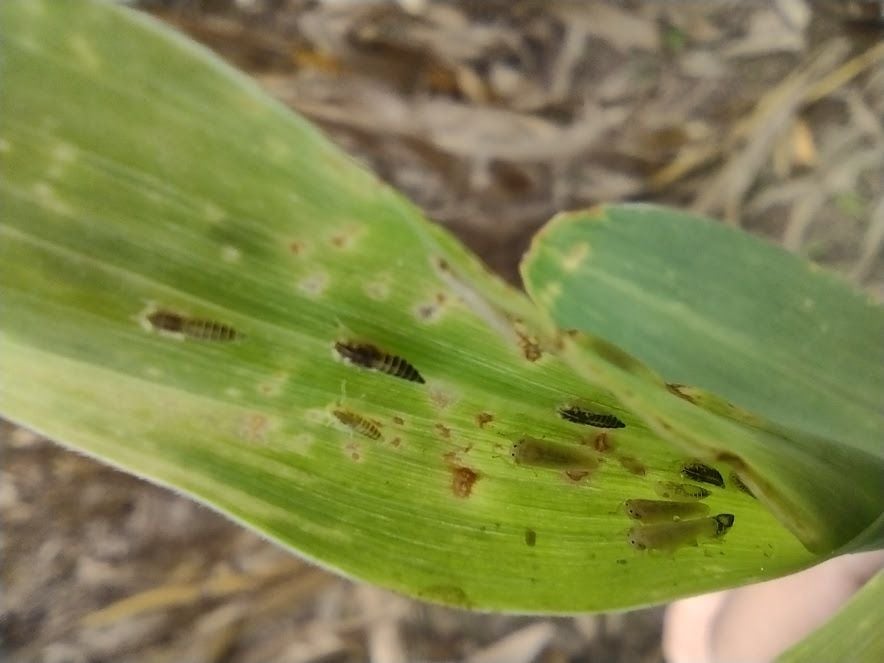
(530, 347)
(453, 456)
(662, 423)
(354, 451)
(484, 418)
(442, 431)
(575, 476)
(274, 385)
(254, 427)
(528, 342)
(601, 442)
(396, 442)
(430, 311)
(399, 421)
(440, 398)
(297, 247)
(680, 391)
(344, 238)
(462, 480)
(632, 465)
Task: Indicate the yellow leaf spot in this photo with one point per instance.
(575, 257)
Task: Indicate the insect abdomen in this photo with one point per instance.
(208, 330)
(702, 473)
(373, 358)
(358, 424)
(533, 452)
(195, 328)
(740, 484)
(579, 415)
(660, 511)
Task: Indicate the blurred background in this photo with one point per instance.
(491, 116)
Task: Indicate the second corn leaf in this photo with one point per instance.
(623, 272)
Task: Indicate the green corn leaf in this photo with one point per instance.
(200, 289)
(853, 634)
(626, 272)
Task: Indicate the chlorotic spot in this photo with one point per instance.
(230, 254)
(313, 285)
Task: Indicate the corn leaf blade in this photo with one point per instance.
(189, 272)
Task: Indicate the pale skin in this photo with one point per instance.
(759, 622)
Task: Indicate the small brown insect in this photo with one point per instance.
(358, 423)
(632, 465)
(578, 415)
(530, 537)
(703, 473)
(680, 491)
(195, 328)
(740, 484)
(373, 358)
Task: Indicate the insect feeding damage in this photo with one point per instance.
(194, 328)
(632, 465)
(484, 418)
(462, 480)
(579, 415)
(373, 358)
